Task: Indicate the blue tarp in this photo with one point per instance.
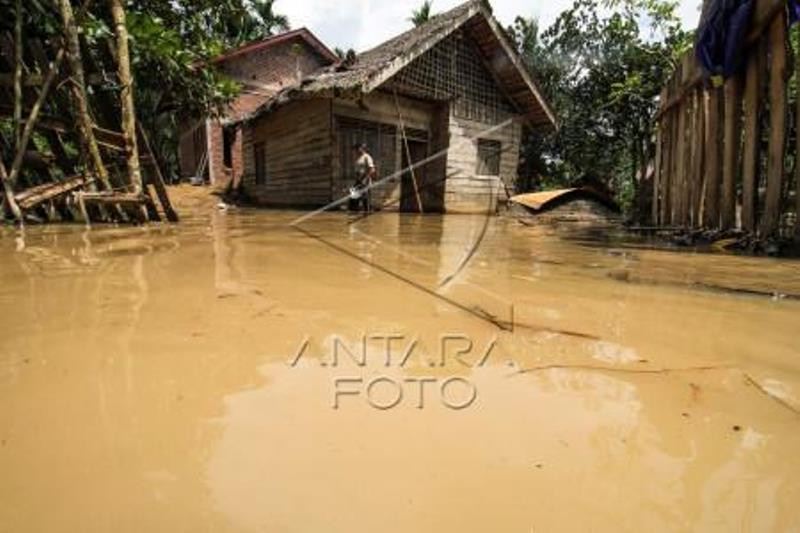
(722, 36)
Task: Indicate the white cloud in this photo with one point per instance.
(362, 24)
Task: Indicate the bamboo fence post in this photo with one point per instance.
(666, 169)
(657, 173)
(680, 162)
(30, 123)
(126, 96)
(752, 136)
(731, 144)
(699, 154)
(797, 154)
(770, 221)
(713, 168)
(79, 97)
(17, 120)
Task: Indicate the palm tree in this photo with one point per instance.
(422, 15)
(271, 22)
(253, 20)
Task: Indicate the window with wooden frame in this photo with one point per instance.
(489, 157)
(260, 158)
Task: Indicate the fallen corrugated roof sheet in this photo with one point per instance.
(374, 67)
(543, 201)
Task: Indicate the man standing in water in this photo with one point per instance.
(365, 172)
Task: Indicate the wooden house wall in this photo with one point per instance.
(299, 155)
(380, 108)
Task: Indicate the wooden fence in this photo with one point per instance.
(722, 156)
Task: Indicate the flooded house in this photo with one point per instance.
(450, 99)
(212, 151)
(579, 205)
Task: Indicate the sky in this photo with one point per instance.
(362, 24)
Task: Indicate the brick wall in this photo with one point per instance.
(262, 73)
(275, 66)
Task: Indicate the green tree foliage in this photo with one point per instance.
(602, 66)
(422, 15)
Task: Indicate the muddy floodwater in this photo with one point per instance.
(234, 373)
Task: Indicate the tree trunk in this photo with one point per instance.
(79, 98)
(18, 75)
(126, 97)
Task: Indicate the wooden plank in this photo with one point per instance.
(732, 142)
(105, 198)
(754, 80)
(713, 160)
(770, 221)
(42, 193)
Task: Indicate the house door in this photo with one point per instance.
(408, 192)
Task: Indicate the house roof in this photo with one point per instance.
(374, 67)
(273, 40)
(543, 201)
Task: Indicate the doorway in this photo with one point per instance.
(408, 193)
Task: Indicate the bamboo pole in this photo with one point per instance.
(408, 153)
(158, 179)
(770, 222)
(752, 136)
(79, 97)
(30, 123)
(17, 120)
(730, 161)
(126, 96)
